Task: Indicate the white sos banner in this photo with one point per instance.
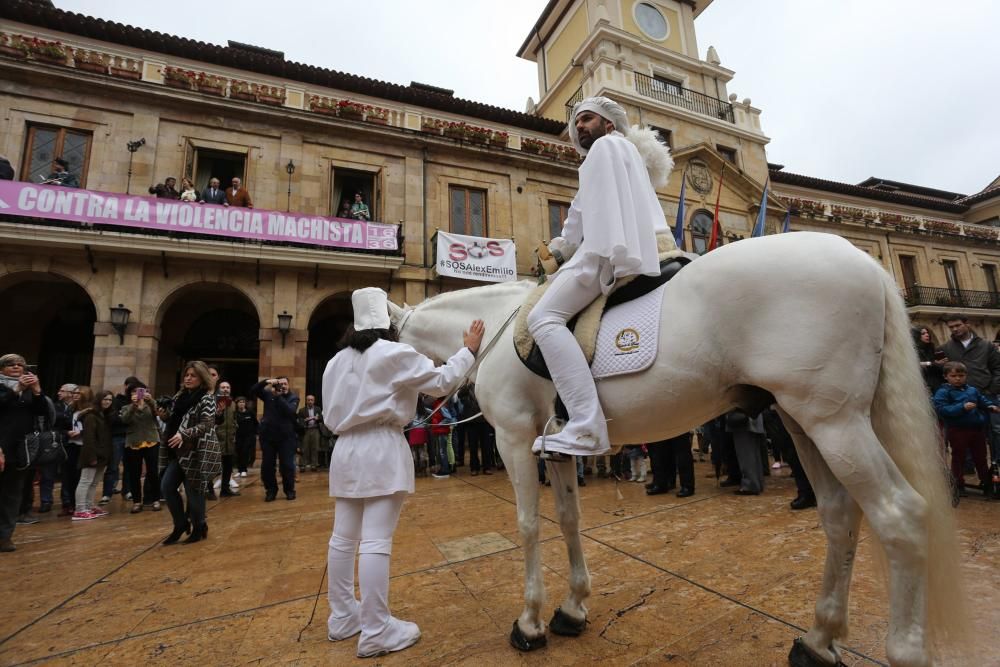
(476, 258)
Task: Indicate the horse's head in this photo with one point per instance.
(399, 314)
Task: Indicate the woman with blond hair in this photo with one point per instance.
(190, 455)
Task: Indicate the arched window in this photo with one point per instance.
(701, 231)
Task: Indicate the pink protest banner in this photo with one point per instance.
(103, 208)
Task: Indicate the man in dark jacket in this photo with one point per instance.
(64, 424)
(982, 362)
(213, 194)
(21, 403)
(277, 435)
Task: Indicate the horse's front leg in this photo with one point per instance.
(528, 632)
(570, 618)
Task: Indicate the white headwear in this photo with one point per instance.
(603, 107)
(655, 154)
(371, 308)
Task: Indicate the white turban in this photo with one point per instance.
(603, 107)
(371, 308)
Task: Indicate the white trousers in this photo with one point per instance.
(365, 525)
(586, 433)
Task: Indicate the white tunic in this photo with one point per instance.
(615, 215)
(368, 398)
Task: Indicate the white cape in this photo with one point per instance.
(616, 212)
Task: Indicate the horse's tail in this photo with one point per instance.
(905, 424)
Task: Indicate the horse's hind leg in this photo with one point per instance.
(528, 632)
(897, 514)
(571, 616)
(841, 519)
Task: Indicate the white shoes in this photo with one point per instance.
(339, 629)
(396, 636)
(565, 442)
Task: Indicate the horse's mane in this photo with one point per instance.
(496, 289)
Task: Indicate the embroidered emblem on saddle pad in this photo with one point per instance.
(629, 336)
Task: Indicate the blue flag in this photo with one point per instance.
(787, 226)
(758, 228)
(679, 225)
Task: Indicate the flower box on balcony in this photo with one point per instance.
(125, 73)
(93, 67)
(376, 120)
(531, 146)
(455, 130)
(217, 91)
(180, 84)
(271, 99)
(52, 53)
(351, 110)
(270, 95)
(14, 50)
(241, 90)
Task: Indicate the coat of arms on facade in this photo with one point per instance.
(699, 176)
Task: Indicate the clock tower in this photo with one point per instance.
(644, 55)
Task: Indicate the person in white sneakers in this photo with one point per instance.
(610, 233)
(370, 391)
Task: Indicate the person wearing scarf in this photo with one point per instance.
(190, 453)
(370, 391)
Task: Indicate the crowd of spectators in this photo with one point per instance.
(234, 195)
(202, 438)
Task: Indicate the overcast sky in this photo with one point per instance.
(908, 91)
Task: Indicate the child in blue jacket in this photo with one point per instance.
(960, 406)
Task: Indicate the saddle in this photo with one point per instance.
(586, 325)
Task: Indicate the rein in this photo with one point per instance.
(479, 357)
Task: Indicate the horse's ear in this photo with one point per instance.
(395, 313)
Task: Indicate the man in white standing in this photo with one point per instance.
(610, 233)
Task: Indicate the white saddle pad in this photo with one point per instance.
(629, 336)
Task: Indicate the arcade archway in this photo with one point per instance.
(326, 329)
(215, 323)
(62, 313)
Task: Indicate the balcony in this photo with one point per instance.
(572, 102)
(677, 96)
(917, 295)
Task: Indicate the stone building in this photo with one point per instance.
(303, 139)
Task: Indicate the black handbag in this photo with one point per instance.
(43, 446)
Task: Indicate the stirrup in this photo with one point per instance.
(555, 457)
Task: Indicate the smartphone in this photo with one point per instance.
(31, 368)
(141, 393)
(940, 354)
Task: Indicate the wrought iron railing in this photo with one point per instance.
(571, 102)
(917, 295)
(685, 98)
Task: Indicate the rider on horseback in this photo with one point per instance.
(610, 233)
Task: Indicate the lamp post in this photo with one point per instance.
(119, 321)
(284, 325)
(132, 146)
(290, 168)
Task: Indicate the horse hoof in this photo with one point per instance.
(803, 656)
(565, 625)
(522, 643)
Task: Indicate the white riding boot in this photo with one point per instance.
(642, 470)
(634, 465)
(345, 612)
(381, 633)
(586, 433)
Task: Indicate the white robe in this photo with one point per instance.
(614, 217)
(368, 398)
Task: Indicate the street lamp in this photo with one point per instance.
(290, 168)
(284, 325)
(119, 321)
(132, 146)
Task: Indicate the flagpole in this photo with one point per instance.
(679, 223)
(759, 225)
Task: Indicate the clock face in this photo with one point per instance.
(651, 21)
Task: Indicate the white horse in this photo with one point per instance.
(805, 320)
